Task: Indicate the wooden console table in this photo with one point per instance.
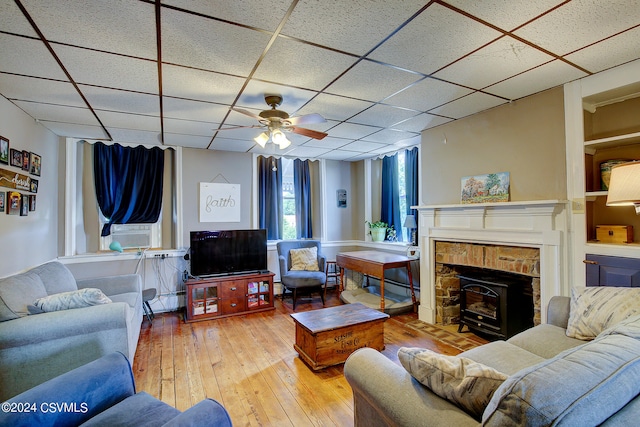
(374, 263)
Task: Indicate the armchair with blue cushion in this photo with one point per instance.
(102, 393)
(310, 279)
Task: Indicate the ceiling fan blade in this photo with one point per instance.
(306, 119)
(239, 127)
(247, 113)
(308, 132)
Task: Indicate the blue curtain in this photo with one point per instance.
(390, 209)
(128, 184)
(411, 183)
(270, 205)
(302, 191)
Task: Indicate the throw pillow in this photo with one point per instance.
(75, 299)
(304, 259)
(466, 383)
(594, 309)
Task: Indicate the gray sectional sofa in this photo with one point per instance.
(551, 379)
(37, 347)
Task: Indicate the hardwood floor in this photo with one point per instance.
(249, 365)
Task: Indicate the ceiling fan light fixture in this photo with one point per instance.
(262, 139)
(279, 138)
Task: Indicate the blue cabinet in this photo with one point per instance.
(612, 271)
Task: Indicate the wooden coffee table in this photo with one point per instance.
(327, 336)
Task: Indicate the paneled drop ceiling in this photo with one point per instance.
(379, 71)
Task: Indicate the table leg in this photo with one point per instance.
(413, 294)
(341, 286)
(382, 292)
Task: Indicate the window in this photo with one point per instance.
(285, 207)
(399, 190)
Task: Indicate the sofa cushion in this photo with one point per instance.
(596, 380)
(17, 293)
(69, 300)
(462, 381)
(502, 356)
(545, 340)
(594, 309)
(56, 277)
(304, 259)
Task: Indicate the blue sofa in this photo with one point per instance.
(103, 393)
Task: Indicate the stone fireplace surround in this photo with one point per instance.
(538, 225)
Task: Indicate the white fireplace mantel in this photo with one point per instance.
(539, 224)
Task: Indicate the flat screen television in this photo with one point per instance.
(228, 252)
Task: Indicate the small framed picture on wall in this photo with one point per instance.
(32, 202)
(34, 186)
(36, 164)
(24, 205)
(13, 202)
(2, 207)
(26, 160)
(4, 150)
(16, 158)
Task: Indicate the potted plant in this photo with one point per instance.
(378, 230)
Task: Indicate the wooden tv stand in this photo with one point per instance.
(222, 296)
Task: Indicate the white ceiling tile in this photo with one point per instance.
(586, 21)
(192, 141)
(238, 145)
(370, 81)
(189, 127)
(246, 134)
(40, 90)
(362, 146)
(292, 98)
(434, 39)
(353, 131)
(497, 61)
(120, 100)
(125, 27)
(505, 14)
(307, 152)
(28, 57)
(135, 136)
(141, 122)
(210, 45)
(468, 105)
(58, 113)
(427, 94)
(333, 107)
(544, 77)
(328, 142)
(608, 53)
(354, 26)
(109, 70)
(340, 155)
(382, 115)
(255, 13)
(194, 110)
(293, 63)
(421, 122)
(78, 131)
(189, 83)
(389, 136)
(13, 21)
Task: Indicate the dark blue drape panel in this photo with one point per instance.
(128, 184)
(390, 212)
(411, 183)
(302, 189)
(270, 197)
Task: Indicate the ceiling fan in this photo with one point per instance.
(277, 122)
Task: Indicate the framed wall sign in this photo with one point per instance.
(219, 202)
(341, 196)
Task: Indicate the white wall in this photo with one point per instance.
(31, 240)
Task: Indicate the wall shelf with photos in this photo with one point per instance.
(20, 199)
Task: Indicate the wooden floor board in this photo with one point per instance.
(248, 364)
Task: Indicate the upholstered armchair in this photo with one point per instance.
(302, 267)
